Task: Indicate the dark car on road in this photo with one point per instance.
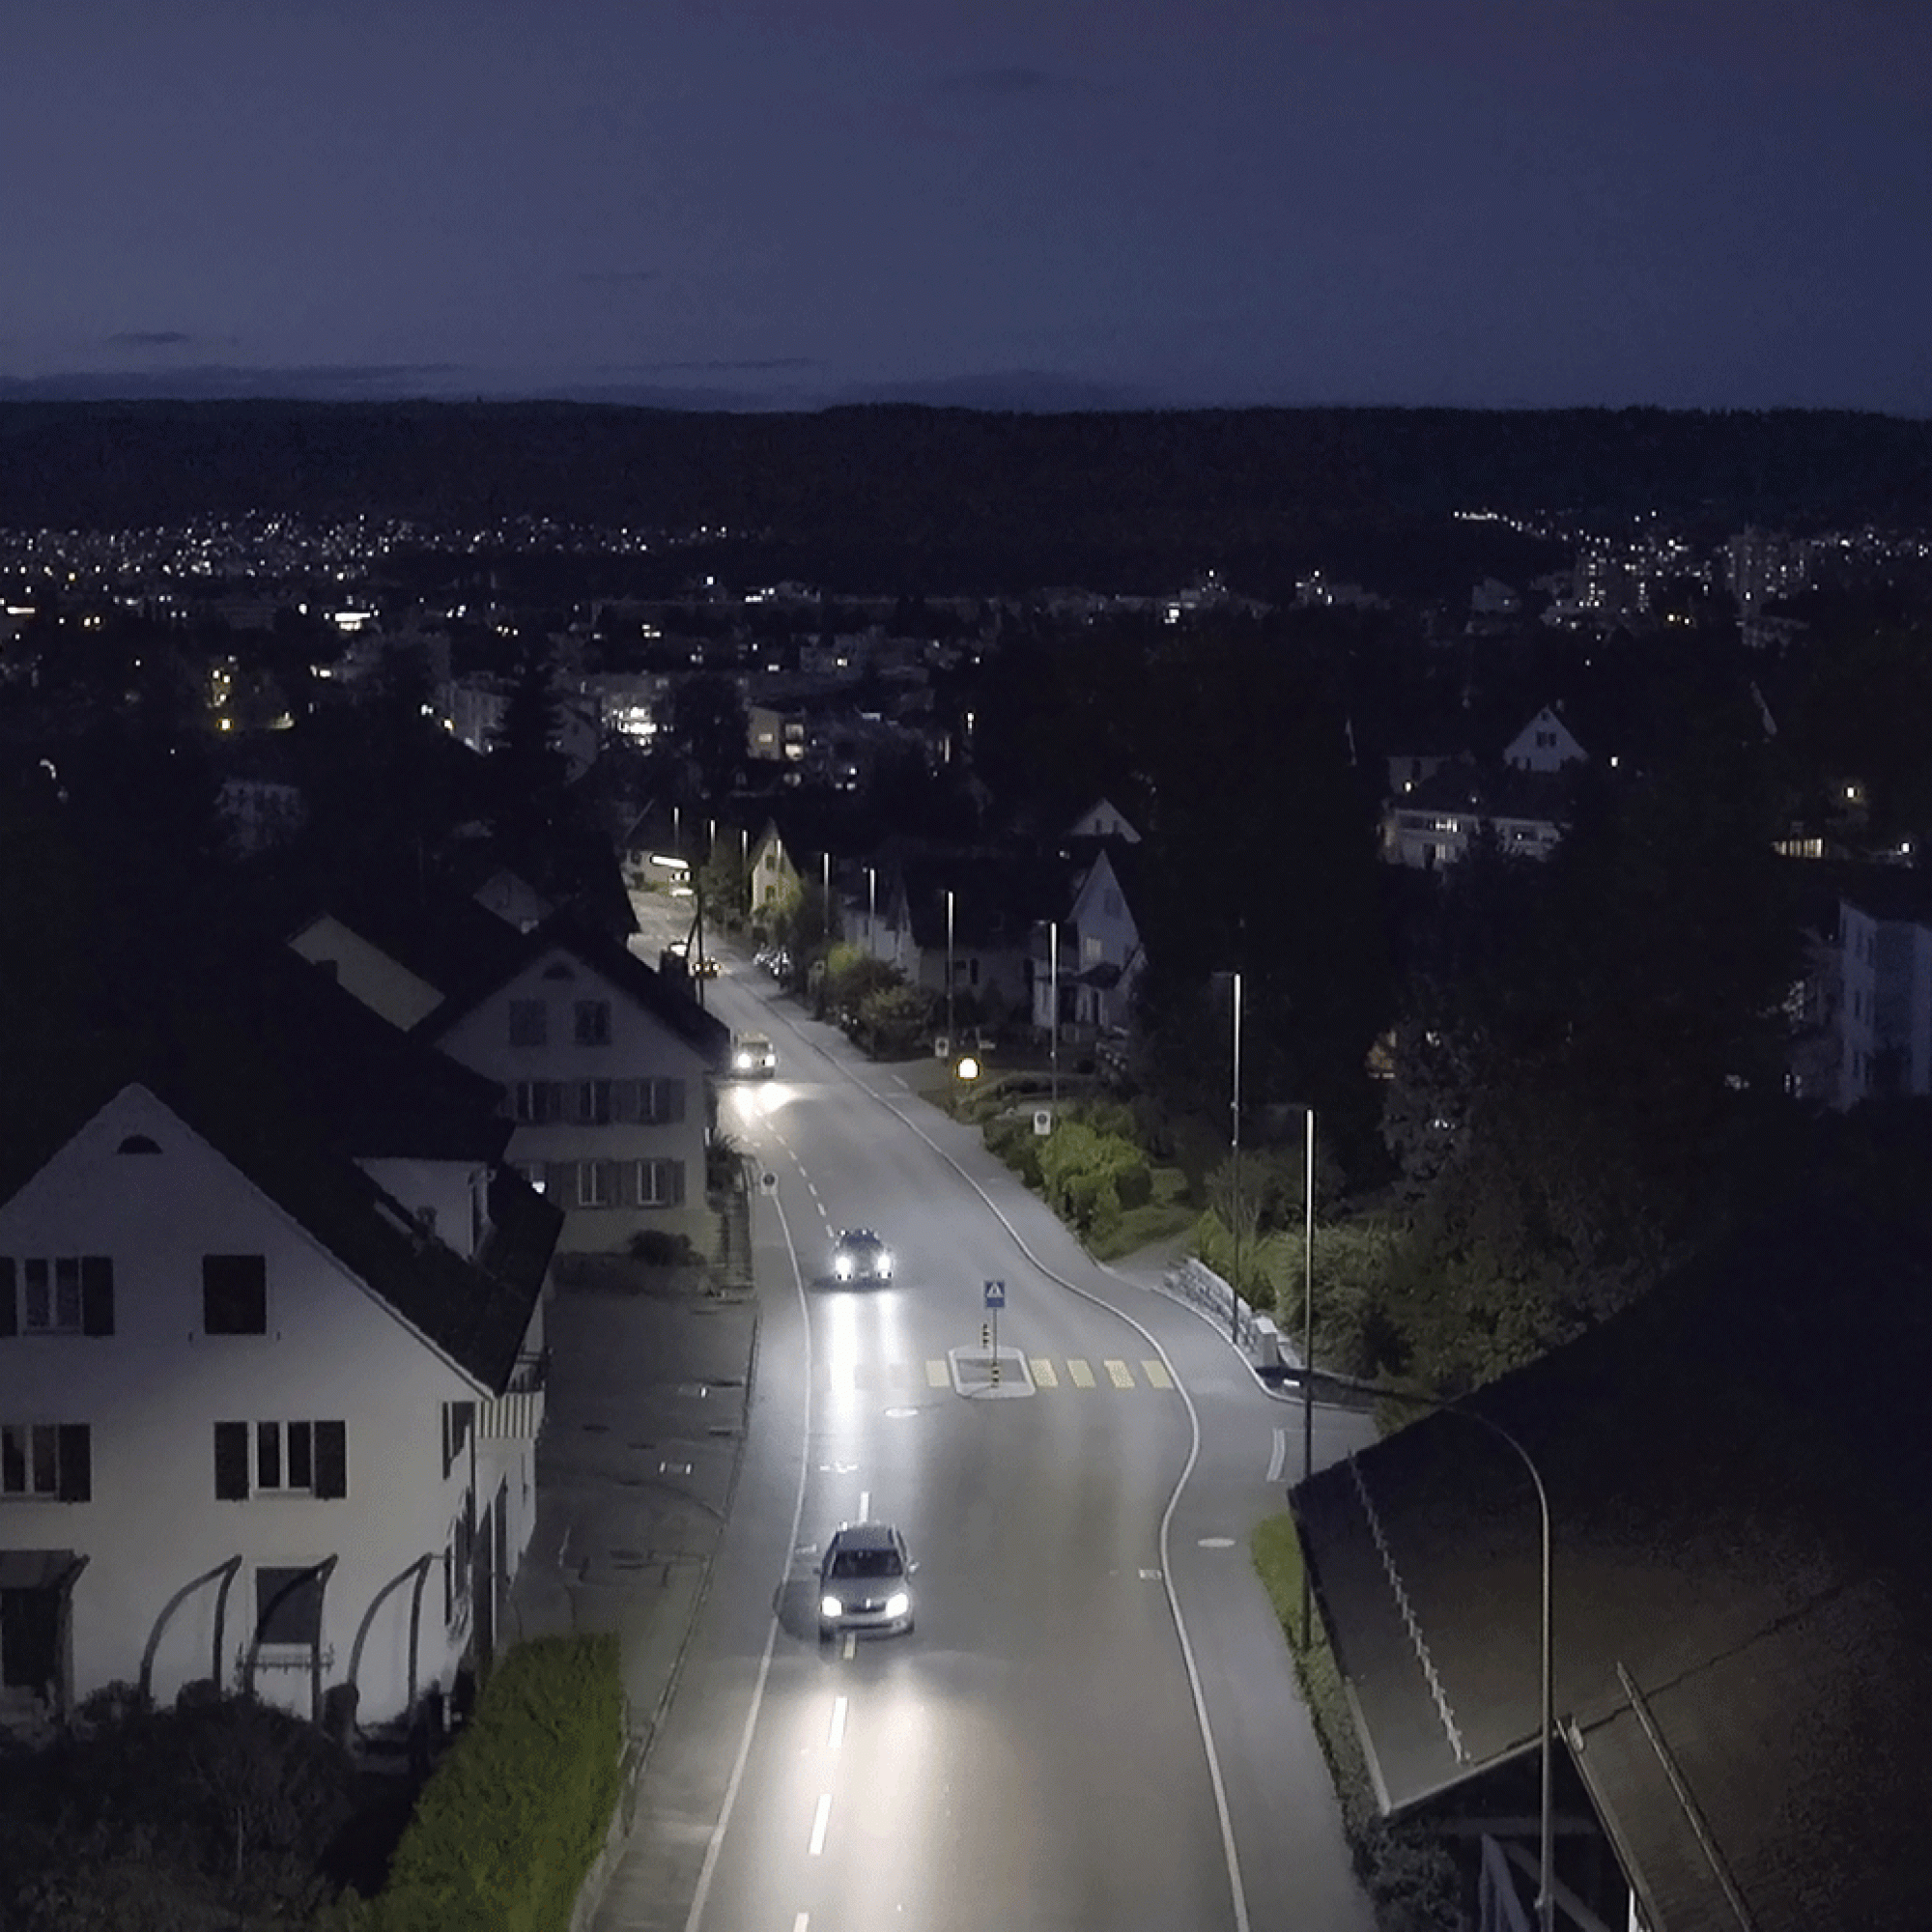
(859, 1255)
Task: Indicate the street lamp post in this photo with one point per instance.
(873, 910)
(1234, 1113)
(948, 969)
(1545, 1870)
(1053, 1006)
(1307, 1341)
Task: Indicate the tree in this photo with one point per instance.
(705, 723)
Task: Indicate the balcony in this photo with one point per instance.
(517, 1415)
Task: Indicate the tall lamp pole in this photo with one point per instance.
(1307, 1344)
(1545, 1870)
(871, 910)
(1235, 1112)
(948, 969)
(1052, 1003)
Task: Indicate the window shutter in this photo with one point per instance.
(609, 1181)
(231, 1461)
(676, 1168)
(10, 1311)
(331, 1459)
(77, 1463)
(673, 1095)
(634, 1185)
(97, 1295)
(560, 1183)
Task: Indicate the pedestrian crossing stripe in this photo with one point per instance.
(1119, 1375)
(1083, 1375)
(1156, 1374)
(1044, 1374)
(938, 1375)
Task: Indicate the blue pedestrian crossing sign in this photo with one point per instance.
(996, 1294)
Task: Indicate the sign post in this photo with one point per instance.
(996, 1300)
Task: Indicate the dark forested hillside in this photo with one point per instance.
(966, 498)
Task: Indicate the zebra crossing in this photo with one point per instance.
(1070, 1374)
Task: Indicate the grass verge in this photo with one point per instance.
(1413, 1884)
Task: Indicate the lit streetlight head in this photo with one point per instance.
(967, 1067)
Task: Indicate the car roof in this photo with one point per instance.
(865, 1536)
(857, 1235)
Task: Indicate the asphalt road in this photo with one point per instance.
(1092, 1725)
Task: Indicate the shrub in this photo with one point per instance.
(662, 1247)
(507, 1830)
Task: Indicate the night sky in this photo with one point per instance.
(1049, 203)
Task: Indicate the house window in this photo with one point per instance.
(59, 1294)
(593, 1103)
(459, 1422)
(48, 1461)
(235, 1294)
(596, 1183)
(539, 1102)
(660, 1184)
(282, 1458)
(660, 1102)
(288, 1605)
(593, 1022)
(528, 1023)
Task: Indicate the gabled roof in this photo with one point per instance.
(997, 899)
(1737, 1470)
(436, 932)
(476, 1314)
(709, 1036)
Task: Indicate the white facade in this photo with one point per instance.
(613, 1106)
(1884, 1010)
(339, 1406)
(1101, 960)
(1102, 821)
(1545, 744)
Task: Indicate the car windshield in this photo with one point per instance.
(861, 1240)
(866, 1563)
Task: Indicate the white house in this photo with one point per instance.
(1884, 1010)
(1099, 954)
(772, 880)
(1545, 744)
(1432, 822)
(263, 1421)
(608, 1070)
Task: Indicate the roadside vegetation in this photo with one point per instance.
(1412, 1883)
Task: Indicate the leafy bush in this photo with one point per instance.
(507, 1830)
(662, 1247)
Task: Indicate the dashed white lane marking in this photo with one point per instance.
(820, 1819)
(851, 1649)
(1278, 1455)
(799, 1923)
(864, 1505)
(837, 1736)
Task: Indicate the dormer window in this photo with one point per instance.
(138, 1144)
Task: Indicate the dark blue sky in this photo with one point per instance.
(749, 203)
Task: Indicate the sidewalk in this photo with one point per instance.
(636, 1471)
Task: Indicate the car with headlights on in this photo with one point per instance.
(864, 1581)
(754, 1057)
(859, 1255)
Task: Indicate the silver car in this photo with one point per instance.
(754, 1057)
(864, 1581)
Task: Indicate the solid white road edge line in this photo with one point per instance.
(1238, 1892)
(717, 1844)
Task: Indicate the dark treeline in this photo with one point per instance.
(903, 498)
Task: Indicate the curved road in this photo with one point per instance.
(1034, 1753)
